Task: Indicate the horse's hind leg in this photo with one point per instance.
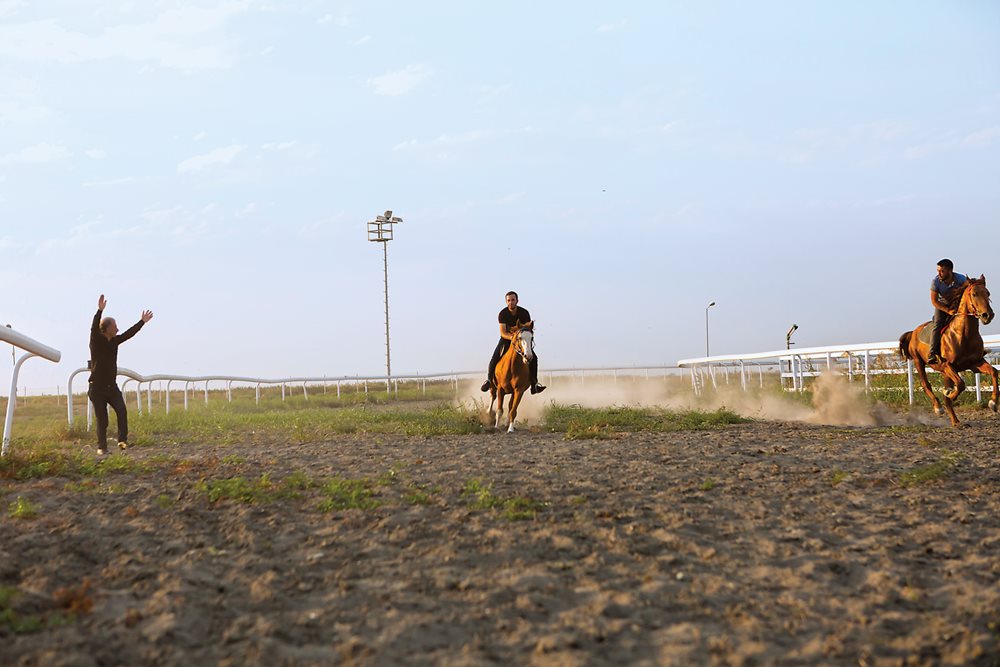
(949, 389)
(925, 383)
(493, 413)
(986, 367)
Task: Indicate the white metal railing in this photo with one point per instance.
(32, 349)
(853, 359)
(391, 383)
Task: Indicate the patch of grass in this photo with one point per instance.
(233, 460)
(579, 422)
(519, 508)
(342, 493)
(420, 495)
(838, 476)
(22, 508)
(164, 502)
(708, 485)
(480, 496)
(13, 621)
(250, 491)
(578, 431)
(931, 472)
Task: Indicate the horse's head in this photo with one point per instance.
(976, 300)
(524, 342)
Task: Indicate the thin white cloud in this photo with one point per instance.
(446, 147)
(125, 180)
(199, 136)
(982, 138)
(218, 157)
(341, 20)
(294, 148)
(401, 81)
(613, 27)
(10, 7)
(249, 209)
(360, 40)
(38, 154)
(974, 140)
(14, 111)
(170, 40)
(267, 51)
(96, 154)
(280, 146)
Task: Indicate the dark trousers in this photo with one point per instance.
(941, 320)
(501, 348)
(102, 397)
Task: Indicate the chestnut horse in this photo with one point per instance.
(512, 375)
(961, 347)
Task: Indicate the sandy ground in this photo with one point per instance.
(764, 543)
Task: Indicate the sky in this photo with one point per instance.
(619, 165)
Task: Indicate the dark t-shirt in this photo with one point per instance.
(104, 352)
(518, 318)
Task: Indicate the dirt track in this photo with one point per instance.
(764, 543)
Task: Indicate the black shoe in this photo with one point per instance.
(538, 388)
(486, 386)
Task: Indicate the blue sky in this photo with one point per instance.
(619, 166)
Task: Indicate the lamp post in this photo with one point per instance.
(788, 337)
(706, 328)
(380, 231)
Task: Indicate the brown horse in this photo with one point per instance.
(961, 347)
(512, 375)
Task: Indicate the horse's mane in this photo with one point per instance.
(955, 297)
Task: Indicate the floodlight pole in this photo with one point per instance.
(380, 231)
(706, 328)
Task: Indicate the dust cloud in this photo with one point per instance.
(835, 401)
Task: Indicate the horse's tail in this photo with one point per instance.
(904, 345)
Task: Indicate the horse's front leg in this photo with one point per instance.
(958, 384)
(500, 397)
(515, 400)
(986, 367)
(493, 400)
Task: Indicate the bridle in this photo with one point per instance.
(519, 345)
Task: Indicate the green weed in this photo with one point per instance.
(342, 493)
(22, 508)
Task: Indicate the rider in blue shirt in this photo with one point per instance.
(942, 288)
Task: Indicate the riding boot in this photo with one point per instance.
(934, 356)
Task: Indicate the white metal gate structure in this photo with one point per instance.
(863, 360)
(32, 349)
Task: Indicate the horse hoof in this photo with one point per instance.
(993, 406)
(510, 429)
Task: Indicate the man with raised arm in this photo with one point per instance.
(942, 296)
(103, 390)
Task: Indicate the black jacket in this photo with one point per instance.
(104, 352)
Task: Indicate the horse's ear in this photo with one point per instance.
(982, 278)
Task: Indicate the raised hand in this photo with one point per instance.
(147, 315)
(101, 303)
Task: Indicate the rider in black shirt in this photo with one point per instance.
(512, 316)
(103, 390)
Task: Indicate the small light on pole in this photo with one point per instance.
(380, 231)
(706, 328)
(788, 337)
